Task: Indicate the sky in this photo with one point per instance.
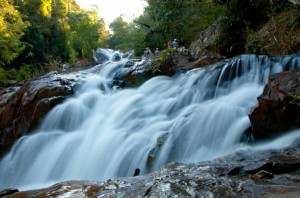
(111, 9)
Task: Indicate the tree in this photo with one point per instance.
(12, 29)
(86, 29)
(168, 19)
(118, 28)
(126, 36)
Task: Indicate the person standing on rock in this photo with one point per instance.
(148, 53)
(156, 52)
(175, 43)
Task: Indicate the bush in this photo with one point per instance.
(27, 71)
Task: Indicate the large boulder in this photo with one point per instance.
(22, 107)
(205, 44)
(278, 107)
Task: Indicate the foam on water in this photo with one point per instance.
(100, 134)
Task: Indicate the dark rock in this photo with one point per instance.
(153, 153)
(207, 40)
(136, 172)
(278, 107)
(136, 73)
(201, 62)
(8, 191)
(205, 179)
(22, 108)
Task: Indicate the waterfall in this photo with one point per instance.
(102, 133)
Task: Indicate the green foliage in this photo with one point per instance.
(7, 77)
(27, 71)
(169, 19)
(12, 29)
(59, 31)
(164, 20)
(85, 32)
(126, 36)
(2, 73)
(252, 42)
(45, 8)
(277, 36)
(163, 63)
(295, 100)
(39, 34)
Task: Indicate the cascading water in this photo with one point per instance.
(101, 133)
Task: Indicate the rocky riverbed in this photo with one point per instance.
(245, 173)
(242, 174)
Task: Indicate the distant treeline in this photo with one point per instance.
(39, 35)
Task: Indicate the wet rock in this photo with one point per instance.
(22, 108)
(262, 174)
(8, 191)
(205, 179)
(136, 172)
(153, 153)
(136, 73)
(278, 106)
(201, 62)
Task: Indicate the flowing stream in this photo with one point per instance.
(102, 133)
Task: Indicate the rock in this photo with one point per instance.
(8, 191)
(201, 62)
(22, 108)
(295, 2)
(136, 172)
(278, 107)
(262, 174)
(204, 45)
(205, 179)
(153, 153)
(136, 72)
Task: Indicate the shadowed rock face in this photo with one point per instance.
(242, 174)
(278, 107)
(21, 108)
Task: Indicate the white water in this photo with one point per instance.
(101, 134)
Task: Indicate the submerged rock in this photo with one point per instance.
(278, 107)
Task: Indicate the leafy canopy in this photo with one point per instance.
(12, 28)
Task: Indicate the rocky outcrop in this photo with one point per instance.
(242, 174)
(22, 107)
(278, 107)
(200, 62)
(205, 44)
(135, 73)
